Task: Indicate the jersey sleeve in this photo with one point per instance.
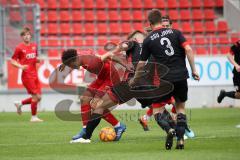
(16, 55)
(145, 52)
(182, 39)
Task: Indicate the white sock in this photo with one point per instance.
(117, 125)
(84, 127)
(34, 117)
(146, 117)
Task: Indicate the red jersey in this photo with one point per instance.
(103, 70)
(27, 55)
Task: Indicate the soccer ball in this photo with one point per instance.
(107, 134)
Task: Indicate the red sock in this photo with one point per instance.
(27, 101)
(34, 108)
(85, 112)
(110, 118)
(173, 109)
(149, 112)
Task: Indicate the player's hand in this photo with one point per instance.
(195, 76)
(61, 67)
(24, 67)
(238, 68)
(131, 82)
(129, 68)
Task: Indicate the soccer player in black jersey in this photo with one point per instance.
(234, 58)
(169, 47)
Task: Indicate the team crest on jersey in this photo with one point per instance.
(33, 48)
(24, 50)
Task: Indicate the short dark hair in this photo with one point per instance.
(166, 18)
(24, 31)
(133, 34)
(154, 16)
(69, 56)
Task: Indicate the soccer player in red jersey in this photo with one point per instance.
(107, 76)
(25, 58)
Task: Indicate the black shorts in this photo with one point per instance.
(236, 81)
(180, 92)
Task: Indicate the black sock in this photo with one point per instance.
(92, 124)
(181, 125)
(230, 94)
(164, 120)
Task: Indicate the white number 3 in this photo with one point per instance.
(169, 46)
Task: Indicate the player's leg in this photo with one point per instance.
(165, 121)
(36, 98)
(105, 103)
(143, 120)
(85, 99)
(180, 95)
(19, 104)
(231, 94)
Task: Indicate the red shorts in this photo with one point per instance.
(162, 104)
(99, 86)
(32, 85)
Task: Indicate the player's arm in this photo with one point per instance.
(230, 57)
(145, 54)
(190, 57)
(14, 60)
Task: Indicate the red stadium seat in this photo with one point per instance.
(137, 4)
(126, 27)
(176, 25)
(65, 16)
(101, 4)
(198, 27)
(89, 4)
(149, 4)
(43, 43)
(161, 4)
(208, 3)
(78, 42)
(76, 4)
(138, 15)
(102, 40)
(224, 49)
(52, 4)
(102, 28)
(174, 15)
(125, 4)
(114, 28)
(43, 29)
(235, 37)
(113, 4)
(15, 16)
(209, 14)
(77, 15)
(223, 39)
(126, 15)
(101, 15)
(222, 26)
(213, 50)
(26, 1)
(41, 3)
(64, 4)
(89, 28)
(114, 15)
(53, 42)
(42, 16)
(89, 15)
(184, 4)
(200, 40)
(172, 4)
(77, 28)
(53, 53)
(66, 42)
(29, 16)
(201, 51)
(52, 28)
(52, 16)
(219, 3)
(197, 14)
(138, 26)
(187, 27)
(89, 41)
(210, 26)
(196, 3)
(213, 40)
(65, 28)
(185, 14)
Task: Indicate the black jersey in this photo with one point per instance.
(166, 46)
(235, 51)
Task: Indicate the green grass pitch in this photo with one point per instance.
(217, 138)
